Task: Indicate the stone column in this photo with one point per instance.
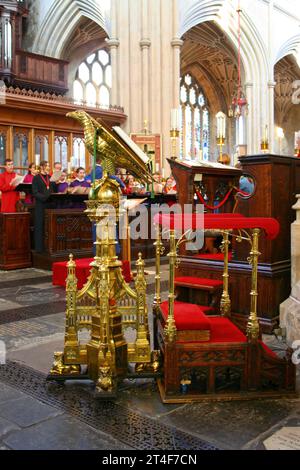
(250, 118)
(113, 45)
(290, 309)
(145, 46)
(271, 98)
(177, 44)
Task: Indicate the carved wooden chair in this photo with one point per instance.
(208, 357)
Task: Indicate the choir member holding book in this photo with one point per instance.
(9, 180)
(80, 182)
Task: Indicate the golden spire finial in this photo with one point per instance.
(71, 263)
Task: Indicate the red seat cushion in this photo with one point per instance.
(188, 316)
(212, 256)
(198, 281)
(224, 331)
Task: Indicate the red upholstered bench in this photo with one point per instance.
(191, 322)
(201, 291)
(59, 272)
(224, 331)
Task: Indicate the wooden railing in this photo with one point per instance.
(43, 72)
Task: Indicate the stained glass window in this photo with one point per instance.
(41, 147)
(2, 147)
(61, 150)
(194, 120)
(21, 149)
(79, 151)
(94, 80)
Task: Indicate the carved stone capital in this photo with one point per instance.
(177, 42)
(145, 43)
(112, 43)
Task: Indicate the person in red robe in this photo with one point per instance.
(9, 195)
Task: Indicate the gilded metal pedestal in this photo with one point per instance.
(107, 306)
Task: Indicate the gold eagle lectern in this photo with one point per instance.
(106, 306)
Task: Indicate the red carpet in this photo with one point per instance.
(82, 272)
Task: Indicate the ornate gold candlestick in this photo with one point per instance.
(225, 306)
(264, 146)
(221, 142)
(174, 134)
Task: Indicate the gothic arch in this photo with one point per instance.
(254, 54)
(60, 21)
(289, 47)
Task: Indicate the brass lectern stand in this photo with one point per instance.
(106, 306)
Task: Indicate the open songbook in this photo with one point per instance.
(134, 147)
(206, 164)
(78, 190)
(17, 180)
(56, 176)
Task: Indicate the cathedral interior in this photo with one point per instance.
(149, 225)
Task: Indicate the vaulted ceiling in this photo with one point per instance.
(87, 33)
(208, 49)
(286, 72)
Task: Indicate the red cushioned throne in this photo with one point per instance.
(205, 355)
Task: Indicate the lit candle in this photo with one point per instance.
(37, 160)
(163, 172)
(69, 168)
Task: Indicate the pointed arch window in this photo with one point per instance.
(194, 120)
(92, 84)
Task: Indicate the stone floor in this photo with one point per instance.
(39, 415)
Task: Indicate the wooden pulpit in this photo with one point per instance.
(214, 178)
(277, 181)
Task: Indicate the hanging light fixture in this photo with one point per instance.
(239, 101)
